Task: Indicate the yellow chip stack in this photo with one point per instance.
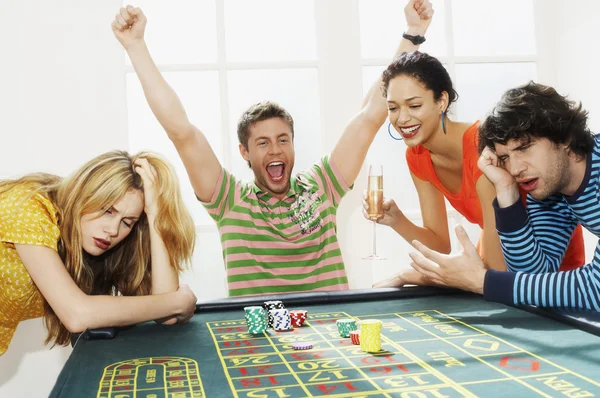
(370, 335)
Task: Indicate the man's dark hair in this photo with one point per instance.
(536, 111)
(257, 113)
(426, 69)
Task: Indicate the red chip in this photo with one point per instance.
(298, 317)
(355, 337)
(297, 322)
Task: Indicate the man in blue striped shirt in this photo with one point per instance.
(539, 140)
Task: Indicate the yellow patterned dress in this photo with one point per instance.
(27, 220)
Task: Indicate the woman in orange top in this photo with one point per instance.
(442, 157)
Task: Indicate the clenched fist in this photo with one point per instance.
(129, 26)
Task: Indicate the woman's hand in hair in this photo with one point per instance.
(129, 26)
(391, 212)
(149, 176)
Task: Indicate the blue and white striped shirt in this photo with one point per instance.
(534, 241)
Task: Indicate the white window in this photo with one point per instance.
(221, 56)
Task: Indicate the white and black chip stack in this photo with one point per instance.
(272, 305)
(281, 319)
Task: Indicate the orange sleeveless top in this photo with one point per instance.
(466, 201)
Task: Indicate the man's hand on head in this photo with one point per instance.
(507, 190)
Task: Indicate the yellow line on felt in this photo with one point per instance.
(418, 360)
(101, 380)
(288, 366)
(361, 393)
(377, 387)
(135, 375)
(509, 379)
(391, 313)
(481, 360)
(164, 377)
(222, 362)
(421, 363)
(187, 362)
(530, 353)
(425, 365)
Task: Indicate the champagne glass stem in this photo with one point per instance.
(374, 238)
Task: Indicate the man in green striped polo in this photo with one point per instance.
(279, 231)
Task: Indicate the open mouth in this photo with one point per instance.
(101, 243)
(276, 171)
(529, 184)
(410, 131)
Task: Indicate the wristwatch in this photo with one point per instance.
(416, 40)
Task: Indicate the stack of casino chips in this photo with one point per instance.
(281, 319)
(298, 317)
(355, 337)
(272, 305)
(370, 335)
(345, 326)
(255, 319)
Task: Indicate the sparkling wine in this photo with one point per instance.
(375, 197)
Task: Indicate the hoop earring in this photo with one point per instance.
(443, 122)
(390, 133)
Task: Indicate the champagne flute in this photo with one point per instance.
(375, 201)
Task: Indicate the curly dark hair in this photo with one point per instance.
(536, 111)
(428, 70)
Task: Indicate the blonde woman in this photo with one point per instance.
(76, 250)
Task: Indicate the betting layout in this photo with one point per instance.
(152, 377)
(421, 354)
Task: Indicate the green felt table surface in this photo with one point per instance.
(440, 345)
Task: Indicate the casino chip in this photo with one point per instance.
(298, 317)
(355, 336)
(302, 346)
(370, 335)
(255, 319)
(280, 318)
(272, 305)
(345, 326)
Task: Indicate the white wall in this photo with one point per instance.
(576, 60)
(567, 35)
(62, 101)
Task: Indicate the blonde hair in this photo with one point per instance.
(97, 185)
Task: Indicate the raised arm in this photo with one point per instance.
(351, 149)
(200, 161)
(79, 311)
